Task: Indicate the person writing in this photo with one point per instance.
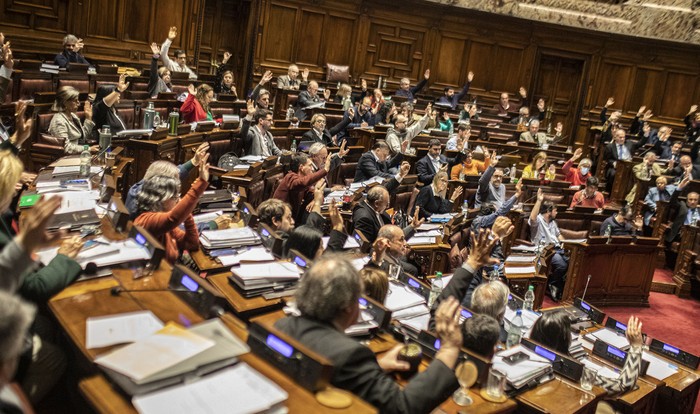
(432, 199)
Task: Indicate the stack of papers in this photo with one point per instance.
(104, 254)
(524, 248)
(419, 239)
(429, 233)
(519, 270)
(254, 254)
(207, 217)
(122, 328)
(356, 186)
(334, 195)
(529, 259)
(658, 368)
(79, 200)
(524, 371)
(401, 297)
(228, 238)
(429, 227)
(365, 324)
(54, 186)
(240, 388)
(261, 277)
(74, 169)
(441, 218)
(576, 349)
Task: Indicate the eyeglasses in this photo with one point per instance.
(320, 121)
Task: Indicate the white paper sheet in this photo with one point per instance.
(416, 240)
(520, 259)
(169, 346)
(121, 328)
(401, 297)
(350, 243)
(207, 217)
(601, 370)
(609, 337)
(519, 270)
(429, 226)
(238, 389)
(73, 169)
(658, 368)
(255, 254)
(276, 270)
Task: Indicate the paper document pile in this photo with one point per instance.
(228, 238)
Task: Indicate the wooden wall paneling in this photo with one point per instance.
(138, 25)
(339, 38)
(613, 80)
(309, 40)
(481, 62)
(448, 68)
(647, 89)
(278, 38)
(103, 17)
(677, 96)
(40, 15)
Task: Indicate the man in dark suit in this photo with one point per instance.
(434, 161)
(396, 250)
(405, 89)
(327, 299)
(687, 212)
(369, 215)
(319, 132)
(374, 163)
(618, 150)
(310, 97)
(665, 148)
(688, 163)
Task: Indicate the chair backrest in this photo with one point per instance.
(29, 86)
(254, 193)
(412, 201)
(82, 85)
(337, 73)
(346, 173)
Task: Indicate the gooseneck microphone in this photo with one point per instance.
(117, 290)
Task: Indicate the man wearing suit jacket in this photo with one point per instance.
(405, 89)
(369, 215)
(310, 97)
(450, 99)
(686, 213)
(374, 163)
(665, 148)
(533, 135)
(257, 137)
(618, 150)
(319, 132)
(688, 162)
(291, 79)
(327, 299)
(429, 165)
(662, 192)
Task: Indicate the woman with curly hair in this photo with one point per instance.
(196, 106)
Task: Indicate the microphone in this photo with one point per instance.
(117, 290)
(586, 288)
(96, 156)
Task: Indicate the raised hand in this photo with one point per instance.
(378, 249)
(326, 94)
(540, 195)
(266, 77)
(559, 128)
(155, 49)
(609, 102)
(6, 54)
(456, 193)
(470, 76)
(227, 56)
(204, 168)
(250, 106)
(426, 75)
(518, 189)
(416, 221)
(327, 165)
(199, 154)
(641, 110)
(351, 112)
(634, 332)
(429, 108)
(87, 109)
(122, 85)
(693, 108)
(482, 246)
(577, 154)
(404, 145)
(445, 116)
(305, 74)
(172, 33)
(32, 225)
(540, 105)
(79, 45)
(404, 169)
(191, 89)
(502, 227)
(448, 329)
(363, 83)
(647, 115)
(336, 219)
(23, 126)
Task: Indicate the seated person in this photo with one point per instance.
(405, 89)
(310, 97)
(71, 52)
(298, 182)
(553, 330)
(644, 171)
(450, 99)
(67, 125)
(589, 196)
(376, 162)
(180, 64)
(480, 334)
(621, 223)
(17, 317)
(460, 140)
(538, 170)
(327, 299)
(103, 107)
(224, 79)
(278, 215)
(376, 283)
(434, 161)
(161, 211)
(260, 96)
(396, 249)
(490, 299)
(491, 188)
(504, 106)
(255, 130)
(661, 192)
(577, 176)
(401, 132)
(469, 113)
(686, 213)
(545, 232)
(445, 123)
(344, 96)
(158, 78)
(291, 79)
(319, 132)
(523, 119)
(432, 199)
(470, 166)
(318, 153)
(168, 169)
(307, 239)
(196, 106)
(618, 150)
(533, 134)
(369, 215)
(488, 213)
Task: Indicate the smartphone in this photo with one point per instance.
(516, 358)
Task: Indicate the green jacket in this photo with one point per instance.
(39, 283)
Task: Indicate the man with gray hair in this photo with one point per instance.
(405, 89)
(533, 135)
(291, 79)
(396, 250)
(71, 52)
(327, 298)
(491, 299)
(16, 316)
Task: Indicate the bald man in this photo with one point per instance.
(370, 215)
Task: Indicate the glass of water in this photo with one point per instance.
(587, 378)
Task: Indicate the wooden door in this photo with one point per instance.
(559, 81)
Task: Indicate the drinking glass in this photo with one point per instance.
(587, 378)
(466, 375)
(496, 384)
(394, 272)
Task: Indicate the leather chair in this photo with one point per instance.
(337, 73)
(254, 193)
(82, 84)
(346, 173)
(272, 181)
(29, 86)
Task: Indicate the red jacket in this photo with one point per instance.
(164, 225)
(573, 175)
(192, 110)
(293, 187)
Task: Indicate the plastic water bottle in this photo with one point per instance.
(290, 113)
(494, 275)
(293, 148)
(513, 173)
(85, 161)
(156, 120)
(465, 208)
(435, 289)
(529, 300)
(694, 218)
(515, 332)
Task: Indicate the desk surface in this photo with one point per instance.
(94, 298)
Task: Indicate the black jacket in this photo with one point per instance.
(368, 167)
(426, 171)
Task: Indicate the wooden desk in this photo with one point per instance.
(621, 274)
(559, 396)
(624, 179)
(244, 307)
(93, 298)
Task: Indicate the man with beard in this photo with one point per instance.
(402, 132)
(396, 250)
(71, 52)
(450, 99)
(405, 89)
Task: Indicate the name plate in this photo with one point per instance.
(562, 365)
